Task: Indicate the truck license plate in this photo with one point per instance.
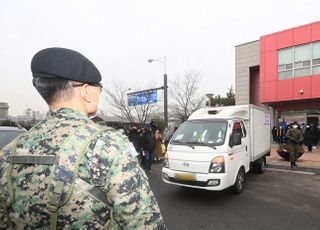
(185, 177)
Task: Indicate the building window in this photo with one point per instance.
(299, 61)
(285, 63)
(316, 58)
(302, 60)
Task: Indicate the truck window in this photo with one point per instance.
(244, 131)
(202, 132)
(237, 128)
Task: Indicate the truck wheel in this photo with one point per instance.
(259, 165)
(239, 183)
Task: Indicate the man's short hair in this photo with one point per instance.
(53, 89)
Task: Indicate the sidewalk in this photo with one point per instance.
(307, 162)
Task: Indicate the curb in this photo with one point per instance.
(296, 169)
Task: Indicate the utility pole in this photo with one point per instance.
(165, 89)
(165, 99)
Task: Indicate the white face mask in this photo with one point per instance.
(99, 108)
(99, 105)
(295, 126)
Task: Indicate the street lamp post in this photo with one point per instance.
(165, 88)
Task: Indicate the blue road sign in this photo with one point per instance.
(142, 98)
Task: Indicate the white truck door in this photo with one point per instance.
(245, 144)
(238, 154)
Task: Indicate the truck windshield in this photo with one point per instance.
(204, 133)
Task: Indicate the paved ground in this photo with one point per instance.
(275, 200)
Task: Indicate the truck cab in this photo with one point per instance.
(212, 150)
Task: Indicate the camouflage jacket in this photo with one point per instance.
(106, 165)
(294, 136)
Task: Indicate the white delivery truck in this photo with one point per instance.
(217, 146)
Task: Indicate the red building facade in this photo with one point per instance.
(290, 68)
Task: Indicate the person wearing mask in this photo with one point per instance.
(68, 172)
(295, 138)
(308, 137)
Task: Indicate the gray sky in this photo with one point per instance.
(120, 35)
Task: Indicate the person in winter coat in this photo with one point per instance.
(158, 151)
(308, 137)
(315, 135)
(294, 137)
(275, 134)
(135, 139)
(149, 146)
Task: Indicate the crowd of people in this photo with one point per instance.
(150, 143)
(295, 135)
(310, 134)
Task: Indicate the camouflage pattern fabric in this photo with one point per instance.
(106, 165)
(295, 137)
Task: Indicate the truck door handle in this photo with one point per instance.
(246, 148)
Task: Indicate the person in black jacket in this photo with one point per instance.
(149, 146)
(308, 137)
(135, 138)
(275, 134)
(153, 126)
(315, 135)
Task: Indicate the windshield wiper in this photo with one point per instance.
(202, 144)
(183, 143)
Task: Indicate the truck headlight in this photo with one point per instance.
(217, 165)
(166, 161)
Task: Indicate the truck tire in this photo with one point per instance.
(259, 165)
(239, 183)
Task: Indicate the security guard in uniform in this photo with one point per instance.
(67, 172)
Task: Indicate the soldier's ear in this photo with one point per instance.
(85, 93)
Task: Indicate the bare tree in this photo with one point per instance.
(134, 113)
(118, 98)
(184, 97)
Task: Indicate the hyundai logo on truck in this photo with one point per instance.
(186, 164)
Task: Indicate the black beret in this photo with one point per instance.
(66, 64)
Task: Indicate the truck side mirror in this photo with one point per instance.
(235, 139)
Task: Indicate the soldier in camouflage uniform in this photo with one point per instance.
(67, 172)
(295, 138)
